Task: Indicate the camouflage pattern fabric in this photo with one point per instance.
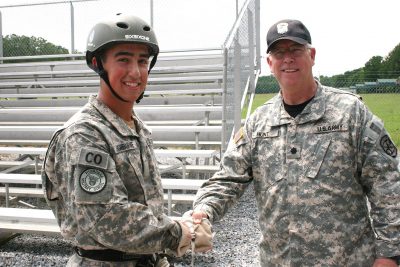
(313, 175)
(77, 261)
(103, 185)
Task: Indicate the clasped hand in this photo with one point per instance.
(196, 233)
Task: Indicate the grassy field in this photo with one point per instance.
(385, 106)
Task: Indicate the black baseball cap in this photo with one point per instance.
(288, 29)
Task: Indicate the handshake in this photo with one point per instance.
(196, 233)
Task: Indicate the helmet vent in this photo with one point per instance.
(122, 25)
(146, 28)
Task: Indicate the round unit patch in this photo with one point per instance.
(92, 180)
(388, 146)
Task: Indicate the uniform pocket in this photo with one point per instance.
(318, 157)
(268, 158)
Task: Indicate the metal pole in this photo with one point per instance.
(151, 13)
(224, 103)
(251, 51)
(237, 8)
(237, 84)
(257, 33)
(72, 28)
(1, 36)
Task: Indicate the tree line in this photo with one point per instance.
(21, 45)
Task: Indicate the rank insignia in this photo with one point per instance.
(239, 135)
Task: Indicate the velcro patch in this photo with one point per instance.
(271, 133)
(92, 181)
(124, 147)
(239, 135)
(327, 128)
(93, 158)
(388, 146)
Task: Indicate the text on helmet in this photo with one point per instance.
(136, 36)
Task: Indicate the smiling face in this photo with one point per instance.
(127, 68)
(291, 64)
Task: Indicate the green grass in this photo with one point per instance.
(385, 106)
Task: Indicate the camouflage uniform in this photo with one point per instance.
(104, 187)
(312, 176)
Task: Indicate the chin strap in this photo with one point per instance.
(104, 75)
(152, 63)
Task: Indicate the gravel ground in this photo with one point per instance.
(235, 243)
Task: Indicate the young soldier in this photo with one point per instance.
(100, 174)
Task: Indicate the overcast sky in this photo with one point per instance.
(345, 33)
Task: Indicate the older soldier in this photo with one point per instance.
(100, 174)
(316, 155)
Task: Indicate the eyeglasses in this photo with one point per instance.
(294, 51)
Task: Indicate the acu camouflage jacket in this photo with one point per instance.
(313, 175)
(103, 185)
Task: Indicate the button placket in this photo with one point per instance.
(293, 146)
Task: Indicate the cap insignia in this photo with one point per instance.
(282, 27)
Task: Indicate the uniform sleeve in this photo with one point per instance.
(380, 176)
(226, 186)
(97, 200)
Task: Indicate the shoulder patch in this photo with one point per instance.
(239, 135)
(92, 181)
(388, 146)
(93, 158)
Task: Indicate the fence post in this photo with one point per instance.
(1, 36)
(151, 13)
(251, 52)
(258, 42)
(224, 102)
(72, 28)
(237, 84)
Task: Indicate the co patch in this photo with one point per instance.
(93, 158)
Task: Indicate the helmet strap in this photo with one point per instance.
(104, 75)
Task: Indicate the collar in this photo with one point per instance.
(313, 111)
(117, 121)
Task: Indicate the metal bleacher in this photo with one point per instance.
(192, 104)
(182, 106)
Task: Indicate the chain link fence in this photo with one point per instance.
(240, 52)
(65, 24)
(62, 27)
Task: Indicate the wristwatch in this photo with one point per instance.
(396, 258)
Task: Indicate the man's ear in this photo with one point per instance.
(269, 62)
(94, 62)
(312, 54)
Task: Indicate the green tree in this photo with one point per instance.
(375, 68)
(372, 68)
(391, 64)
(267, 84)
(15, 45)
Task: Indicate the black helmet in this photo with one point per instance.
(120, 29)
